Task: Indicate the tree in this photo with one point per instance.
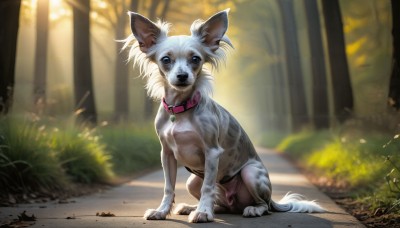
(297, 98)
(9, 24)
(394, 86)
(320, 106)
(40, 74)
(341, 84)
(121, 93)
(83, 82)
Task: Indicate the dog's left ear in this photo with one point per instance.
(212, 31)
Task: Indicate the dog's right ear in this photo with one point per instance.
(144, 30)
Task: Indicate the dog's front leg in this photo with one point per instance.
(204, 211)
(169, 165)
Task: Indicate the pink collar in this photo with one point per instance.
(175, 109)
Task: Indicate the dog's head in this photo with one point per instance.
(180, 59)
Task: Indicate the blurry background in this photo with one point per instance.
(268, 82)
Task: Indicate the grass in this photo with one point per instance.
(133, 148)
(359, 159)
(37, 156)
(82, 155)
(26, 161)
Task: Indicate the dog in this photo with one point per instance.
(227, 174)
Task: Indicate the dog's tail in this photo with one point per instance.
(293, 202)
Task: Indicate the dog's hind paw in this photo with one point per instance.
(199, 217)
(184, 209)
(257, 211)
(152, 214)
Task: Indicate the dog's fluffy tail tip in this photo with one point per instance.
(296, 203)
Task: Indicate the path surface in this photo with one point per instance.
(129, 201)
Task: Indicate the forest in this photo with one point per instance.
(317, 80)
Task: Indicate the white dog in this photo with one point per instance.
(227, 174)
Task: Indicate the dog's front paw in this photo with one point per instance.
(152, 214)
(184, 209)
(197, 216)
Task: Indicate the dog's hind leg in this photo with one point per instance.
(193, 186)
(256, 179)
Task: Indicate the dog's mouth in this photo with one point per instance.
(181, 85)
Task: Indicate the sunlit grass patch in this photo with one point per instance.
(358, 160)
(304, 142)
(348, 162)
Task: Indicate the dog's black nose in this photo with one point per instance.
(182, 77)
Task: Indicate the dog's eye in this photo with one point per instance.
(196, 59)
(166, 60)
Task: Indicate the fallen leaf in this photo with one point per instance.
(24, 217)
(103, 214)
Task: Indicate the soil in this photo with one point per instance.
(61, 196)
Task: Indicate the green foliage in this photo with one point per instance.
(132, 148)
(304, 142)
(361, 160)
(36, 156)
(26, 161)
(81, 154)
(338, 160)
(270, 139)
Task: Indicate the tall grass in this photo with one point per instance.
(47, 155)
(27, 163)
(82, 156)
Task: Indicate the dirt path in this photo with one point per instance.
(129, 201)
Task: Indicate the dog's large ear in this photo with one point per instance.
(212, 31)
(144, 30)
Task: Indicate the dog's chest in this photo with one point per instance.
(183, 139)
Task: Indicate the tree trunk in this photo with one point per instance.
(148, 102)
(9, 24)
(279, 111)
(40, 75)
(319, 85)
(121, 96)
(394, 86)
(295, 77)
(83, 82)
(134, 5)
(342, 89)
